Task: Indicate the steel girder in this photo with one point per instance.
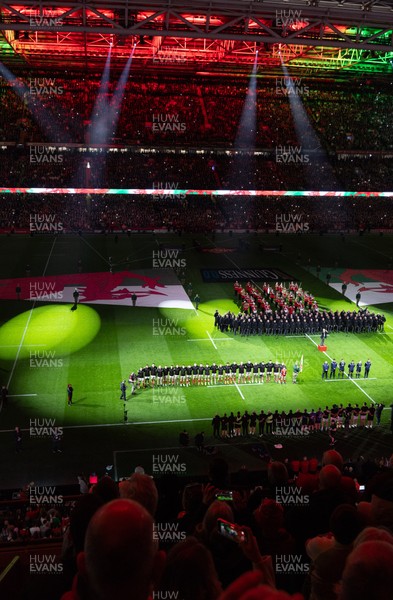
(267, 21)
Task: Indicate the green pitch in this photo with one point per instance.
(99, 349)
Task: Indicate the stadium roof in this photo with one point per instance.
(218, 37)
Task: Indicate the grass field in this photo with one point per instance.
(108, 341)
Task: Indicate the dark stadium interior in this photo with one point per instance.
(132, 122)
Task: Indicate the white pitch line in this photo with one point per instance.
(208, 340)
(20, 345)
(390, 327)
(211, 339)
(239, 390)
(384, 333)
(21, 395)
(350, 378)
(215, 339)
(294, 336)
(315, 344)
(171, 421)
(27, 324)
(121, 424)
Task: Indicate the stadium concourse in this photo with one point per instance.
(196, 290)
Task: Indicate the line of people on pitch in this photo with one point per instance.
(330, 370)
(295, 423)
(184, 376)
(280, 322)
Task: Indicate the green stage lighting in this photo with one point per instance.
(49, 328)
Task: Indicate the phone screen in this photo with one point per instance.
(231, 531)
(224, 495)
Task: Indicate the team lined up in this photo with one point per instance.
(352, 369)
(184, 376)
(296, 422)
(280, 322)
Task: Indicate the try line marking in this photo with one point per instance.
(350, 379)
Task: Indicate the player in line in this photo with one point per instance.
(205, 375)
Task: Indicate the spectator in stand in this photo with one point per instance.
(193, 508)
(142, 489)
(309, 482)
(313, 465)
(272, 537)
(277, 476)
(120, 557)
(106, 489)
(74, 535)
(368, 573)
(252, 586)
(190, 572)
(304, 465)
(369, 534)
(228, 557)
(329, 552)
(378, 511)
(324, 501)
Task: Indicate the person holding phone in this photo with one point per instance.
(243, 536)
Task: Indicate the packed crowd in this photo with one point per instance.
(57, 110)
(167, 212)
(35, 107)
(37, 165)
(339, 117)
(64, 110)
(30, 522)
(231, 537)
